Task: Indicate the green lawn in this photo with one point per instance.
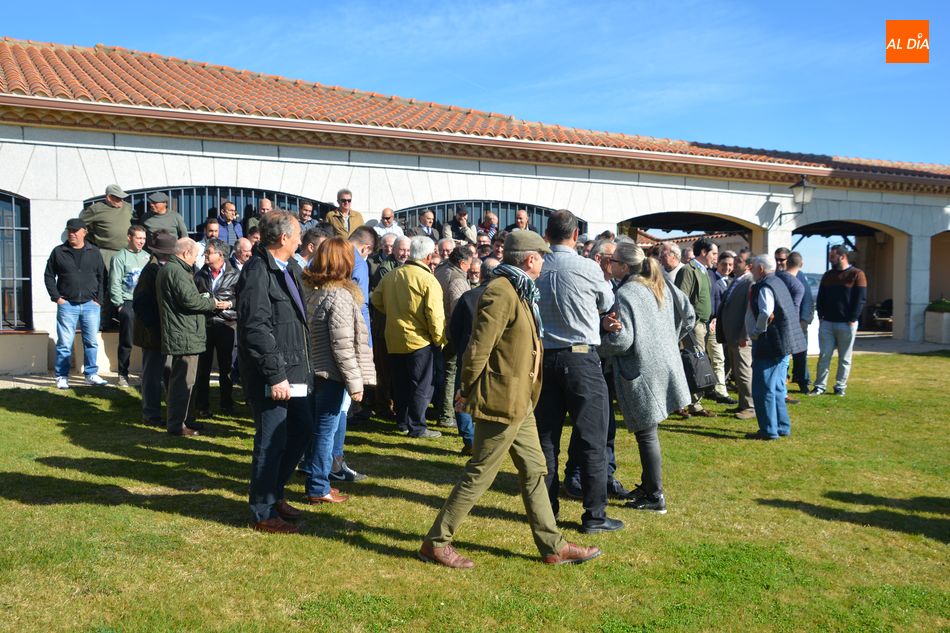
(109, 525)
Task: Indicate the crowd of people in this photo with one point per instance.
(501, 334)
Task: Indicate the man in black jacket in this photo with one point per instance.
(75, 279)
(275, 368)
(147, 330)
(219, 279)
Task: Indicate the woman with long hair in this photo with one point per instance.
(342, 361)
(645, 357)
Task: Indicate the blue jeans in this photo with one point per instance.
(281, 431)
(340, 436)
(831, 336)
(68, 315)
(768, 394)
(463, 420)
(319, 455)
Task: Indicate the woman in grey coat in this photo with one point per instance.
(645, 359)
(340, 355)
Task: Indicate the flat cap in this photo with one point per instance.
(74, 224)
(526, 241)
(116, 190)
(158, 196)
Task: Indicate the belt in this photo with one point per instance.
(580, 348)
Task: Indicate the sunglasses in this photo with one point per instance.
(345, 200)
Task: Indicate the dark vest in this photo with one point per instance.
(784, 334)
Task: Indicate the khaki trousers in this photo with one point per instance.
(492, 441)
(741, 360)
(718, 361)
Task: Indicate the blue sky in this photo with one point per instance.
(804, 76)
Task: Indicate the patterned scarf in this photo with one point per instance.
(525, 288)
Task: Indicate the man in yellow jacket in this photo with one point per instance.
(343, 219)
(411, 298)
(500, 386)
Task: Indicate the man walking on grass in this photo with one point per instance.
(500, 385)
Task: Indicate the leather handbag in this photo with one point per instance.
(696, 366)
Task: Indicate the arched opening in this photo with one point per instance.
(940, 266)
(196, 204)
(16, 307)
(505, 210)
(882, 252)
(686, 227)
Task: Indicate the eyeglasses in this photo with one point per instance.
(345, 200)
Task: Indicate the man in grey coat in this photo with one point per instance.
(731, 333)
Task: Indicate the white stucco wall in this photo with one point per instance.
(58, 169)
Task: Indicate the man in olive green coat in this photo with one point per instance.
(182, 311)
(108, 222)
(500, 385)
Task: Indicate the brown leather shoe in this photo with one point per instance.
(683, 413)
(286, 511)
(276, 525)
(184, 432)
(704, 413)
(444, 556)
(572, 554)
(333, 496)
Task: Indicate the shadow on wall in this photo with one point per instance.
(910, 516)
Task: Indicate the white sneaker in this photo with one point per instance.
(62, 382)
(95, 380)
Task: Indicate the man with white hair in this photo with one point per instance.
(410, 297)
(182, 310)
(772, 324)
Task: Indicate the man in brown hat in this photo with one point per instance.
(147, 331)
(501, 382)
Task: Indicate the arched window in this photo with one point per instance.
(445, 211)
(15, 286)
(196, 204)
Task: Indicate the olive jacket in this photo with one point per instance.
(182, 310)
(335, 219)
(501, 368)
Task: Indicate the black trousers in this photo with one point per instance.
(124, 353)
(572, 469)
(282, 430)
(412, 388)
(574, 383)
(220, 346)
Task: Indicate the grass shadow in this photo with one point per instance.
(937, 529)
(718, 433)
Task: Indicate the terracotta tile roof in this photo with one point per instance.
(120, 76)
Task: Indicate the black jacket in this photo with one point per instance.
(463, 319)
(146, 324)
(272, 332)
(76, 274)
(226, 291)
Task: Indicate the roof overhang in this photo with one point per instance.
(55, 112)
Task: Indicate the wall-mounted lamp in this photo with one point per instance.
(802, 192)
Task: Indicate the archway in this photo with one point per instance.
(727, 231)
(940, 266)
(882, 252)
